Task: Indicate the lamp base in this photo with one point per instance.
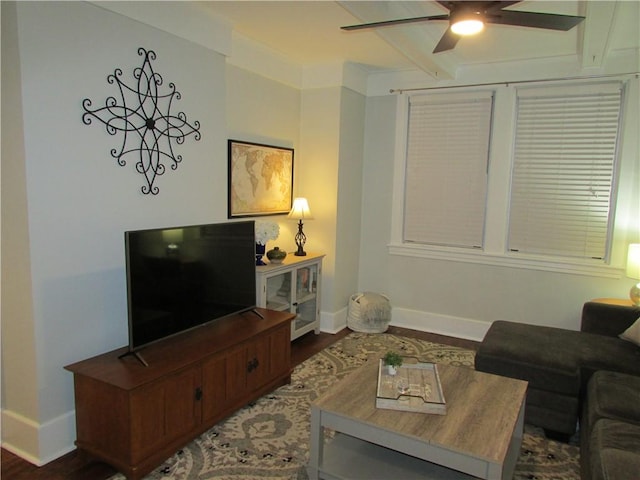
(634, 294)
(301, 239)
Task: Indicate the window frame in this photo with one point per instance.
(501, 148)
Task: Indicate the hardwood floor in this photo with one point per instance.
(75, 466)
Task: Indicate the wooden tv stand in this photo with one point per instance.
(134, 417)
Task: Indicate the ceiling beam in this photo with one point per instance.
(595, 42)
(414, 43)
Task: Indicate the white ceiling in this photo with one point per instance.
(308, 33)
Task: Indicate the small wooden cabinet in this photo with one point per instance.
(134, 417)
(293, 286)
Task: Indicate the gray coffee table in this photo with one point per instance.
(480, 435)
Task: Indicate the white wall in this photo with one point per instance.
(349, 212)
(332, 143)
(265, 111)
(79, 201)
(320, 145)
(18, 336)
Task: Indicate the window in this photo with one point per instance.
(563, 170)
(446, 168)
(533, 175)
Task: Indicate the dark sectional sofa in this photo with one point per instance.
(610, 427)
(589, 377)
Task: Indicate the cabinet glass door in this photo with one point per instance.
(306, 295)
(279, 292)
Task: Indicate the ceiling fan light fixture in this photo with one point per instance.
(467, 27)
(468, 22)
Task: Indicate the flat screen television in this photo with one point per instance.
(179, 278)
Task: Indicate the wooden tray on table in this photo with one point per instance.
(414, 388)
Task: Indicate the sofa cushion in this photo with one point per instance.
(614, 450)
(600, 352)
(632, 333)
(607, 319)
(613, 395)
(547, 357)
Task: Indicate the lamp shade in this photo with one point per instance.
(633, 261)
(300, 209)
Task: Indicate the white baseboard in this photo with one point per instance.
(333, 322)
(467, 328)
(37, 443)
(458, 327)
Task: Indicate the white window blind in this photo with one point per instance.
(446, 168)
(564, 169)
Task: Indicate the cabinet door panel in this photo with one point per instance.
(277, 292)
(214, 387)
(236, 381)
(183, 409)
(280, 353)
(257, 363)
(147, 420)
(163, 411)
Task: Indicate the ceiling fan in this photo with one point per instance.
(469, 17)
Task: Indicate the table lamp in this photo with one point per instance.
(633, 271)
(300, 211)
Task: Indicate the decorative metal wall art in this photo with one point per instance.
(143, 115)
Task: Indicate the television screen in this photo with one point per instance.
(181, 277)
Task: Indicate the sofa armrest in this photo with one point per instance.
(606, 319)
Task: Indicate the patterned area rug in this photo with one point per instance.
(269, 439)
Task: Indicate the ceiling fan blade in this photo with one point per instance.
(491, 7)
(447, 5)
(550, 21)
(488, 6)
(447, 41)
(400, 21)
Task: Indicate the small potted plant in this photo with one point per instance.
(392, 360)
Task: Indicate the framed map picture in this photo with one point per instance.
(260, 179)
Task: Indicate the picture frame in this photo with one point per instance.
(260, 179)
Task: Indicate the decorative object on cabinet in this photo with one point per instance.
(260, 179)
(293, 286)
(143, 114)
(259, 254)
(275, 255)
(300, 211)
(633, 271)
(264, 231)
